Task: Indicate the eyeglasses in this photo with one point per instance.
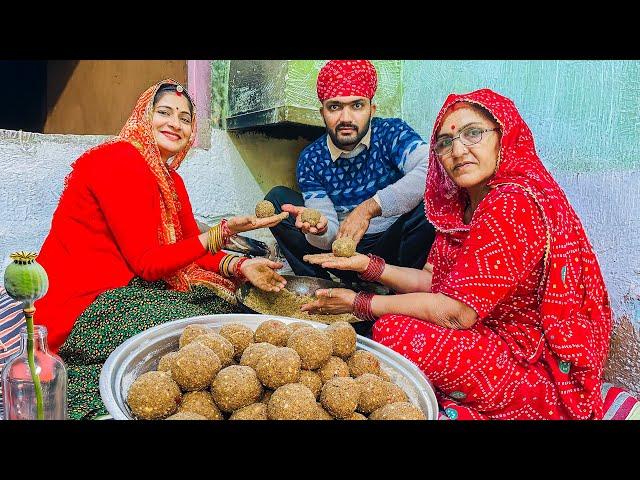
(469, 136)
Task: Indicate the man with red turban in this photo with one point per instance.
(366, 176)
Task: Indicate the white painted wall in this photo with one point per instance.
(33, 167)
(32, 171)
(220, 184)
(608, 204)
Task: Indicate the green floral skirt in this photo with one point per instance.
(113, 317)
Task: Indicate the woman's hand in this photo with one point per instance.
(331, 301)
(251, 222)
(357, 263)
(261, 273)
(319, 229)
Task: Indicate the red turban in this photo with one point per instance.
(345, 78)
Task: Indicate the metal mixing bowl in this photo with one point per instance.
(141, 353)
(301, 285)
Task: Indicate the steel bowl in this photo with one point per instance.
(141, 353)
(299, 285)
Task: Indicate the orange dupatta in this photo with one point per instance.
(138, 131)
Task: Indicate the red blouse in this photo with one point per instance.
(105, 231)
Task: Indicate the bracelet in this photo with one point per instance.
(226, 231)
(374, 269)
(214, 238)
(362, 306)
(237, 272)
(224, 265)
(217, 236)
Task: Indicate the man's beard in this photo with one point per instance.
(353, 139)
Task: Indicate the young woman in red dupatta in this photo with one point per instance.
(125, 213)
(513, 319)
(124, 252)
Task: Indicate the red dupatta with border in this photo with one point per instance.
(574, 305)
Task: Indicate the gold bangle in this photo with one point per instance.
(225, 265)
(214, 239)
(210, 244)
(211, 240)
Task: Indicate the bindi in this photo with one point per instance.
(453, 127)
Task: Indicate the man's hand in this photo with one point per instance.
(331, 301)
(261, 273)
(357, 222)
(319, 229)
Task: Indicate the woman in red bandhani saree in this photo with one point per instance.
(510, 318)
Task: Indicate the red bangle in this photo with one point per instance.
(374, 269)
(362, 306)
(237, 272)
(226, 231)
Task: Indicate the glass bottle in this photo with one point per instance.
(19, 392)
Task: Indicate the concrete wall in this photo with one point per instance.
(271, 161)
(33, 167)
(584, 118)
(235, 173)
